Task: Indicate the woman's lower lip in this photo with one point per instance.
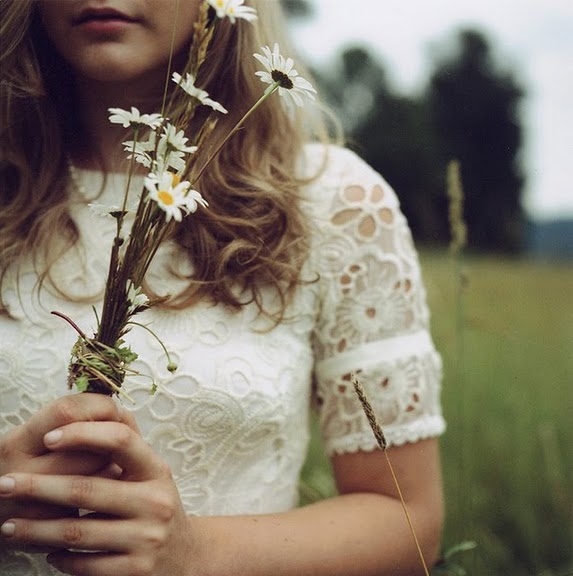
(105, 26)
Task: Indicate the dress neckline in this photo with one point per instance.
(92, 184)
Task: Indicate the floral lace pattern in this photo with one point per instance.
(378, 322)
(233, 421)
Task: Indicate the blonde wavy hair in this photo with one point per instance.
(254, 234)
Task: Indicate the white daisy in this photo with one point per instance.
(189, 86)
(194, 200)
(280, 70)
(172, 195)
(136, 298)
(171, 150)
(134, 118)
(233, 9)
(141, 150)
(173, 139)
(174, 159)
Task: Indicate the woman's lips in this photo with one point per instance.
(89, 14)
(103, 20)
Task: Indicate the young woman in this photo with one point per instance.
(300, 272)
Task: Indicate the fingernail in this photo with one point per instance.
(8, 529)
(7, 484)
(53, 436)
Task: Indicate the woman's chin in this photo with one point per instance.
(104, 75)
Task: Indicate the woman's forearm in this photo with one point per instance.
(354, 534)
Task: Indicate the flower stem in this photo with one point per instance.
(70, 322)
(115, 388)
(169, 64)
(381, 440)
(128, 183)
(272, 88)
(169, 361)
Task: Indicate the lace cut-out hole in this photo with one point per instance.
(345, 216)
(386, 215)
(414, 402)
(354, 194)
(367, 226)
(341, 347)
(371, 312)
(377, 193)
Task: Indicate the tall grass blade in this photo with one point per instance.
(381, 440)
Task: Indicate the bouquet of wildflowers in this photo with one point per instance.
(101, 362)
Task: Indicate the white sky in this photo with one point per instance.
(533, 37)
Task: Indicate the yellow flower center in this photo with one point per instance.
(220, 3)
(165, 197)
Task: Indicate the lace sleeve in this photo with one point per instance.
(374, 319)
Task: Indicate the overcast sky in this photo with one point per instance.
(532, 37)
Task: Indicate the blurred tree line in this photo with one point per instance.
(468, 110)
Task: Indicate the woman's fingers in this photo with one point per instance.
(123, 499)
(136, 523)
(24, 449)
(125, 447)
(99, 564)
(34, 509)
(67, 463)
(77, 534)
(65, 410)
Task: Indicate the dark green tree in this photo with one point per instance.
(392, 133)
(297, 8)
(469, 111)
(474, 107)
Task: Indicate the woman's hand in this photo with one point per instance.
(23, 450)
(137, 525)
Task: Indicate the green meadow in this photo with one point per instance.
(505, 331)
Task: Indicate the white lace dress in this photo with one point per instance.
(233, 420)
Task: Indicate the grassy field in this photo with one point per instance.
(508, 400)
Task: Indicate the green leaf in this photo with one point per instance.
(82, 383)
(125, 353)
(465, 546)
